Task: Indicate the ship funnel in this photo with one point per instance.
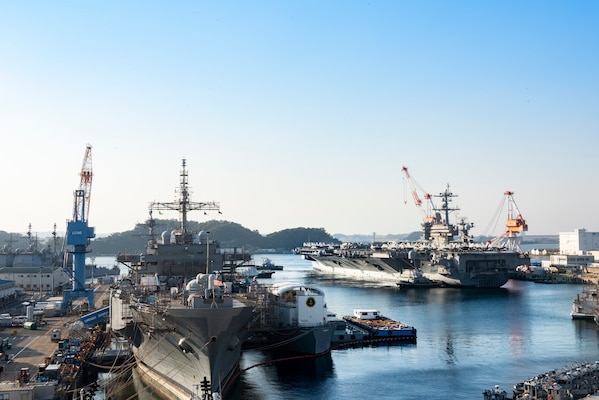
(166, 237)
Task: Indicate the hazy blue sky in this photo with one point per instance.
(301, 113)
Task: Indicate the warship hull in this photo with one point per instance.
(177, 347)
(177, 308)
(449, 268)
(298, 319)
(313, 340)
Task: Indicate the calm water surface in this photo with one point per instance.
(468, 341)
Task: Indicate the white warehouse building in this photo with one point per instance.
(578, 242)
(37, 279)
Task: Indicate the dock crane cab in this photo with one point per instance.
(515, 226)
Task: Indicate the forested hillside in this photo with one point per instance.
(228, 234)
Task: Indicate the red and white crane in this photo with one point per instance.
(427, 212)
(81, 209)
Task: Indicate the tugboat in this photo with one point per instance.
(268, 265)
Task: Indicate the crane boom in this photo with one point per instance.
(83, 196)
(415, 196)
(428, 213)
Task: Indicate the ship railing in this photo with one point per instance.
(126, 312)
(261, 297)
(159, 305)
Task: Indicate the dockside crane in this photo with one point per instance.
(427, 212)
(516, 225)
(79, 233)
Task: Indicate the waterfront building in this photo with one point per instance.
(578, 242)
(37, 279)
(8, 292)
(579, 248)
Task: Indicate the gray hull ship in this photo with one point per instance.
(186, 326)
(446, 256)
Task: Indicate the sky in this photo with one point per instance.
(301, 113)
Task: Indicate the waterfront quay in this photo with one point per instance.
(26, 352)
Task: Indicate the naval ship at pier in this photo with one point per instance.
(185, 326)
(445, 256)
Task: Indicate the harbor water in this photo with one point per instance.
(468, 340)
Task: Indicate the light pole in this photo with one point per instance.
(93, 266)
(207, 253)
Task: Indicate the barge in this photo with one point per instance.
(379, 327)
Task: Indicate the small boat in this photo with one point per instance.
(417, 279)
(267, 264)
(265, 274)
(585, 303)
(246, 271)
(251, 272)
(381, 327)
(345, 333)
(497, 393)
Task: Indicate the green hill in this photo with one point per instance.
(228, 234)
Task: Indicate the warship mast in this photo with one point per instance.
(183, 206)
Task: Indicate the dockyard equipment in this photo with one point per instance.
(79, 233)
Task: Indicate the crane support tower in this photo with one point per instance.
(79, 233)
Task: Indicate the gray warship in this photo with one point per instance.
(445, 256)
(184, 323)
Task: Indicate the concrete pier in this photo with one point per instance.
(28, 348)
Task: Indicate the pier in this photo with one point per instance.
(46, 361)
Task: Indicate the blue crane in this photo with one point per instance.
(79, 233)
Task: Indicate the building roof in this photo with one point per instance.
(27, 270)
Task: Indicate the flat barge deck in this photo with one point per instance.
(380, 327)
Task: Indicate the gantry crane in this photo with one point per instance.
(427, 213)
(79, 233)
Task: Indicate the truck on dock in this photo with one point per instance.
(56, 335)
